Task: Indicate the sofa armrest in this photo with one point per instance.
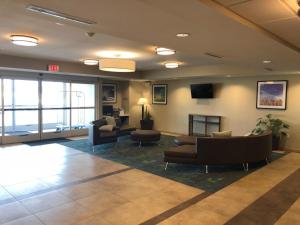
(94, 133)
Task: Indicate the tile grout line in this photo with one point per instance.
(57, 187)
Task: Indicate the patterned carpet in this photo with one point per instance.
(149, 158)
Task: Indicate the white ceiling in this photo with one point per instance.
(141, 25)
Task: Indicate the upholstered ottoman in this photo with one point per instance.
(142, 136)
(185, 140)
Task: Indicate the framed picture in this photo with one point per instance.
(159, 94)
(109, 93)
(272, 94)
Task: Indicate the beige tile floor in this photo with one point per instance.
(56, 185)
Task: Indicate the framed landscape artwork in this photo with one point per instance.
(109, 94)
(159, 94)
(272, 94)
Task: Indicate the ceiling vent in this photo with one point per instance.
(213, 55)
(59, 15)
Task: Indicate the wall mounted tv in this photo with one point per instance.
(202, 90)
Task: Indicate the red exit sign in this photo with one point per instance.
(53, 68)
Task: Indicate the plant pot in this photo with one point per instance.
(146, 124)
(275, 143)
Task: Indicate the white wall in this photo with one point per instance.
(235, 101)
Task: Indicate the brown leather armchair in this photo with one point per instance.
(97, 137)
(220, 151)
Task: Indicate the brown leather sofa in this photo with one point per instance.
(222, 151)
(185, 140)
(97, 137)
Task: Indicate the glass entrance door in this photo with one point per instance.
(55, 109)
(21, 110)
(37, 109)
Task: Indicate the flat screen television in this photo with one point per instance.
(107, 110)
(202, 90)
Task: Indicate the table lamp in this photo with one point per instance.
(142, 102)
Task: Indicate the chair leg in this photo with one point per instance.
(267, 161)
(206, 169)
(93, 148)
(140, 144)
(166, 166)
(246, 166)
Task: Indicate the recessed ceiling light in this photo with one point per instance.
(90, 62)
(59, 24)
(116, 54)
(24, 40)
(165, 51)
(182, 35)
(171, 65)
(267, 61)
(228, 76)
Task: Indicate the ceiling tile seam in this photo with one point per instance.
(243, 20)
(238, 3)
(286, 4)
(278, 20)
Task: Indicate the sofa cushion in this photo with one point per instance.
(186, 151)
(99, 122)
(222, 134)
(108, 134)
(110, 120)
(106, 128)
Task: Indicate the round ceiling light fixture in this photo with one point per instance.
(172, 65)
(182, 35)
(267, 61)
(23, 40)
(90, 62)
(117, 65)
(164, 51)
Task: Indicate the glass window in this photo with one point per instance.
(82, 117)
(20, 94)
(1, 107)
(56, 120)
(55, 94)
(83, 95)
(21, 122)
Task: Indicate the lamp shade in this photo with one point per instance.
(142, 101)
(117, 65)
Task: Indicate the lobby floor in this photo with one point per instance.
(55, 185)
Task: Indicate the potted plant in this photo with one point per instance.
(147, 122)
(277, 126)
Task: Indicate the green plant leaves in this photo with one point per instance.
(277, 126)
